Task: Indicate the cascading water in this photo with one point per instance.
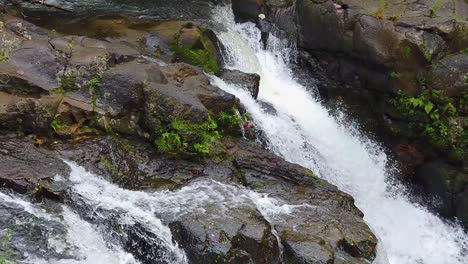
(88, 230)
(303, 132)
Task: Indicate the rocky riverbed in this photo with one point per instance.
(115, 95)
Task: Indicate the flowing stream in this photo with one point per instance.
(303, 132)
(95, 228)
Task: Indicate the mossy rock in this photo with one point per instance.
(193, 47)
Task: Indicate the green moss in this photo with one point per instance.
(310, 173)
(202, 57)
(110, 166)
(257, 185)
(428, 56)
(433, 10)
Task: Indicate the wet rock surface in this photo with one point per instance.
(102, 100)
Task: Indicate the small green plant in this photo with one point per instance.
(92, 85)
(433, 114)
(394, 75)
(435, 7)
(428, 56)
(67, 84)
(3, 56)
(231, 119)
(188, 138)
(6, 255)
(248, 116)
(406, 52)
(57, 124)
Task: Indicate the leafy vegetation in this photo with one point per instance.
(187, 138)
(57, 124)
(434, 115)
(91, 86)
(197, 139)
(67, 84)
(6, 255)
(231, 120)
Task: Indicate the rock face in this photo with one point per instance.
(373, 56)
(447, 185)
(27, 169)
(246, 10)
(107, 100)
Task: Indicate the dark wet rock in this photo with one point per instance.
(246, 10)
(248, 81)
(33, 63)
(28, 114)
(450, 74)
(448, 185)
(300, 232)
(410, 156)
(30, 169)
(241, 235)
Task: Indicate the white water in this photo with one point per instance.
(86, 242)
(82, 240)
(304, 132)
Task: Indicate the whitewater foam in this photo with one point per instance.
(304, 132)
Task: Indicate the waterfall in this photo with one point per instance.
(303, 132)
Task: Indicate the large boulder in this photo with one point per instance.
(247, 81)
